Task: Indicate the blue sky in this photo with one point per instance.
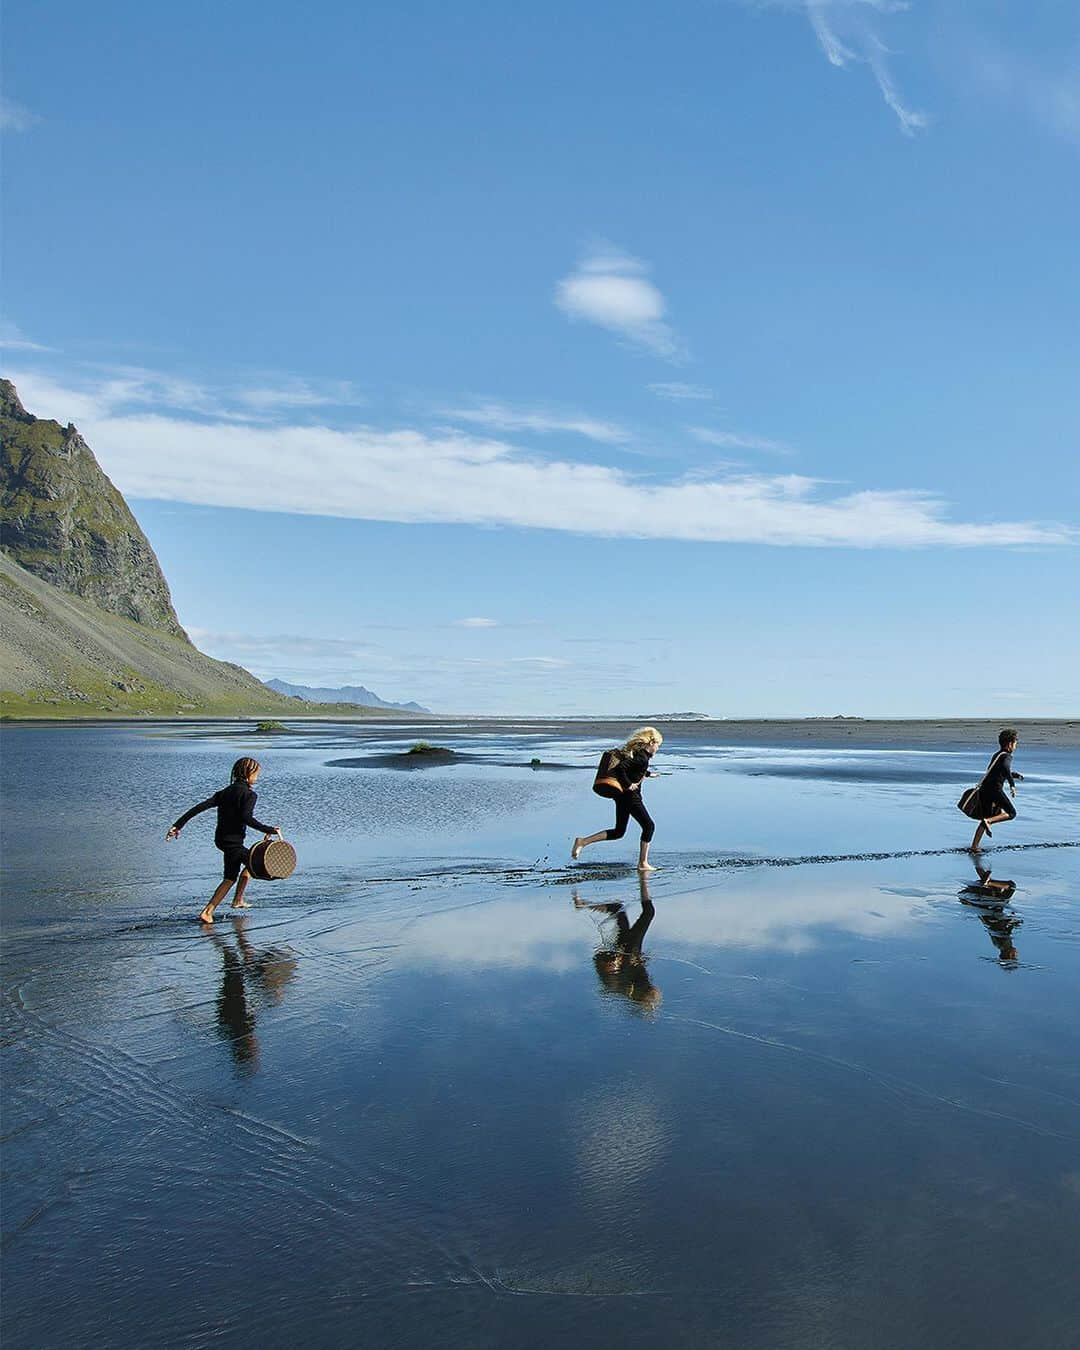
(573, 358)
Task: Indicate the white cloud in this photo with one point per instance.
(1051, 95)
(13, 339)
(119, 390)
(846, 34)
(610, 288)
(15, 117)
(299, 394)
(476, 623)
(409, 476)
(732, 440)
(499, 417)
(677, 390)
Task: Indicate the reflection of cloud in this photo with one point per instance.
(757, 913)
(618, 1135)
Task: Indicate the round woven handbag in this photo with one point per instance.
(272, 860)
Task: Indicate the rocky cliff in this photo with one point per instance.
(64, 521)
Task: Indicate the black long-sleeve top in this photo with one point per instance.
(631, 769)
(235, 811)
(1000, 771)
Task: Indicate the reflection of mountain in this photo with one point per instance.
(348, 693)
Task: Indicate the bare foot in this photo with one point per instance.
(207, 916)
(974, 848)
(646, 867)
(240, 904)
(575, 852)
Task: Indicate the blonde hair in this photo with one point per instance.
(643, 738)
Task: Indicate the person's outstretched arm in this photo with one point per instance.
(175, 829)
(249, 815)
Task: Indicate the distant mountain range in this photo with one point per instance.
(348, 693)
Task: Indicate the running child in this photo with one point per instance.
(993, 805)
(235, 812)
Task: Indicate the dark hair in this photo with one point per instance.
(1006, 735)
(244, 768)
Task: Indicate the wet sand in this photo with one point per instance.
(818, 1084)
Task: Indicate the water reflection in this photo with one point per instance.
(249, 975)
(620, 963)
(989, 896)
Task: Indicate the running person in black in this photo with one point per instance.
(235, 812)
(629, 767)
(993, 804)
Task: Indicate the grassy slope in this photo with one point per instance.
(61, 656)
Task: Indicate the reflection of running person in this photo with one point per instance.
(993, 805)
(622, 968)
(247, 970)
(628, 767)
(236, 811)
(990, 897)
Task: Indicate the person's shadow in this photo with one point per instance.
(621, 966)
(990, 897)
(250, 975)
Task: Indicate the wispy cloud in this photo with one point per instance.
(1051, 95)
(15, 117)
(476, 623)
(734, 440)
(847, 34)
(500, 417)
(677, 391)
(13, 339)
(612, 289)
(90, 392)
(407, 475)
(278, 646)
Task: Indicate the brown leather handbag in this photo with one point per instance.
(605, 784)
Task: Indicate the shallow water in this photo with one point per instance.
(442, 1087)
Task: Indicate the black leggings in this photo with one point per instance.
(627, 805)
(1001, 803)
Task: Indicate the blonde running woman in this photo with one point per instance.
(621, 774)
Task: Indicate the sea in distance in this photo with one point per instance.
(816, 1082)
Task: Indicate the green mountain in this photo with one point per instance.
(61, 656)
(87, 625)
(65, 522)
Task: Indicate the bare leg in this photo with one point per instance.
(643, 864)
(580, 842)
(973, 847)
(207, 915)
(241, 886)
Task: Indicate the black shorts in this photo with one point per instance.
(998, 803)
(236, 857)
